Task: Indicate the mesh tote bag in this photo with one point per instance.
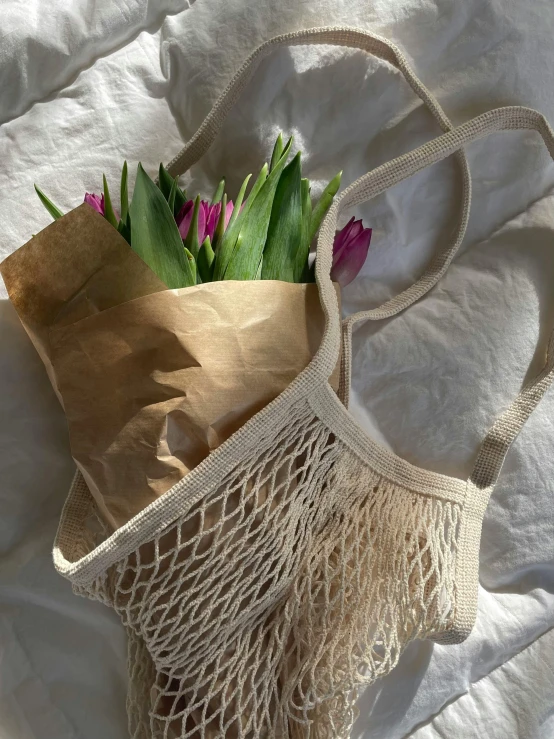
(296, 562)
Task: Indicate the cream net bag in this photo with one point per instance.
(294, 565)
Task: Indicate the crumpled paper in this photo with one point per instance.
(152, 380)
(76, 267)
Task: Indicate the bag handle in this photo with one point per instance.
(497, 442)
(499, 439)
(334, 36)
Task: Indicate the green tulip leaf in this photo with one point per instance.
(229, 241)
(284, 233)
(323, 205)
(155, 236)
(238, 201)
(191, 241)
(277, 152)
(180, 199)
(301, 262)
(172, 194)
(218, 194)
(109, 214)
(165, 181)
(192, 266)
(220, 226)
(247, 254)
(54, 211)
(205, 260)
(124, 194)
(125, 231)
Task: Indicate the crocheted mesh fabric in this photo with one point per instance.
(264, 607)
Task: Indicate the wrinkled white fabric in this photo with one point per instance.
(513, 700)
(85, 85)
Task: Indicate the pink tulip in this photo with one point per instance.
(95, 201)
(208, 216)
(349, 251)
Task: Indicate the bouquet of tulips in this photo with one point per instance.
(165, 326)
(267, 236)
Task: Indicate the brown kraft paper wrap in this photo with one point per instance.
(152, 379)
(77, 266)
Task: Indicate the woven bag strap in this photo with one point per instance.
(497, 442)
(334, 36)
(494, 448)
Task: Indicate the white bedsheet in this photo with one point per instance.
(84, 85)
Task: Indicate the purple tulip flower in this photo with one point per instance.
(349, 251)
(208, 216)
(96, 202)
